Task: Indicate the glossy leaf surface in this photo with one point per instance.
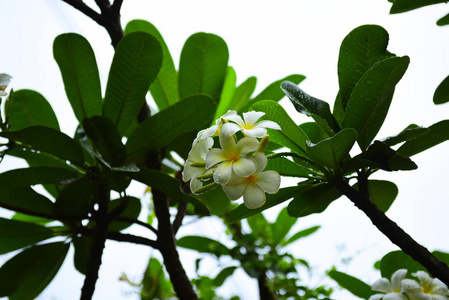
(26, 200)
(412, 131)
(382, 193)
(226, 93)
(352, 284)
(286, 167)
(400, 6)
(34, 175)
(203, 245)
(281, 227)
(300, 234)
(131, 211)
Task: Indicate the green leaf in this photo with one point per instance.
(223, 275)
(313, 131)
(26, 200)
(379, 156)
(136, 63)
(273, 92)
(203, 245)
(171, 186)
(331, 151)
(291, 136)
(164, 127)
(76, 199)
(441, 93)
(30, 219)
(216, 201)
(299, 235)
(286, 167)
(281, 227)
(284, 194)
(226, 93)
(29, 108)
(15, 235)
(412, 131)
(106, 139)
(382, 193)
(319, 110)
(359, 51)
(443, 21)
(400, 6)
(371, 98)
(242, 94)
(165, 87)
(396, 260)
(34, 175)
(352, 284)
(79, 71)
(28, 273)
(313, 201)
(438, 133)
(48, 140)
(82, 245)
(203, 66)
(131, 211)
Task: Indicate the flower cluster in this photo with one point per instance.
(401, 288)
(238, 165)
(5, 79)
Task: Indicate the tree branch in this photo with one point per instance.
(123, 237)
(134, 221)
(82, 7)
(182, 209)
(394, 233)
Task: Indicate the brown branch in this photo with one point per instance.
(394, 233)
(123, 237)
(182, 210)
(134, 221)
(82, 7)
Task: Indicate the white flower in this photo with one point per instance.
(214, 130)
(392, 290)
(249, 125)
(232, 157)
(254, 186)
(195, 163)
(427, 289)
(5, 79)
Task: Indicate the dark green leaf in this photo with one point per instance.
(165, 87)
(313, 201)
(82, 245)
(35, 175)
(223, 275)
(379, 156)
(359, 51)
(171, 186)
(203, 245)
(202, 69)
(400, 6)
(444, 257)
(164, 127)
(396, 260)
(319, 110)
(136, 63)
(29, 108)
(438, 133)
(26, 200)
(30, 219)
(370, 100)
(441, 93)
(131, 211)
(106, 139)
(443, 21)
(48, 140)
(79, 71)
(286, 167)
(16, 234)
(242, 94)
(352, 284)
(284, 194)
(259, 226)
(28, 273)
(226, 93)
(412, 131)
(300, 234)
(331, 151)
(382, 193)
(314, 132)
(216, 201)
(77, 198)
(154, 283)
(291, 136)
(281, 227)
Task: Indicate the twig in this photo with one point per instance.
(123, 237)
(394, 233)
(138, 222)
(182, 210)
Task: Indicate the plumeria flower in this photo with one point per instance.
(427, 289)
(196, 162)
(214, 130)
(5, 79)
(232, 157)
(392, 290)
(249, 125)
(254, 186)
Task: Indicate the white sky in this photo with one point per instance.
(268, 41)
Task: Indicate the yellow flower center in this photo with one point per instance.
(251, 178)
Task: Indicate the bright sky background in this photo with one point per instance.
(269, 40)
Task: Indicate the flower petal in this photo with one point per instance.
(251, 117)
(190, 172)
(235, 118)
(195, 184)
(223, 173)
(376, 297)
(247, 145)
(382, 285)
(255, 132)
(234, 191)
(269, 181)
(394, 296)
(244, 166)
(268, 124)
(261, 161)
(253, 197)
(397, 278)
(215, 156)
